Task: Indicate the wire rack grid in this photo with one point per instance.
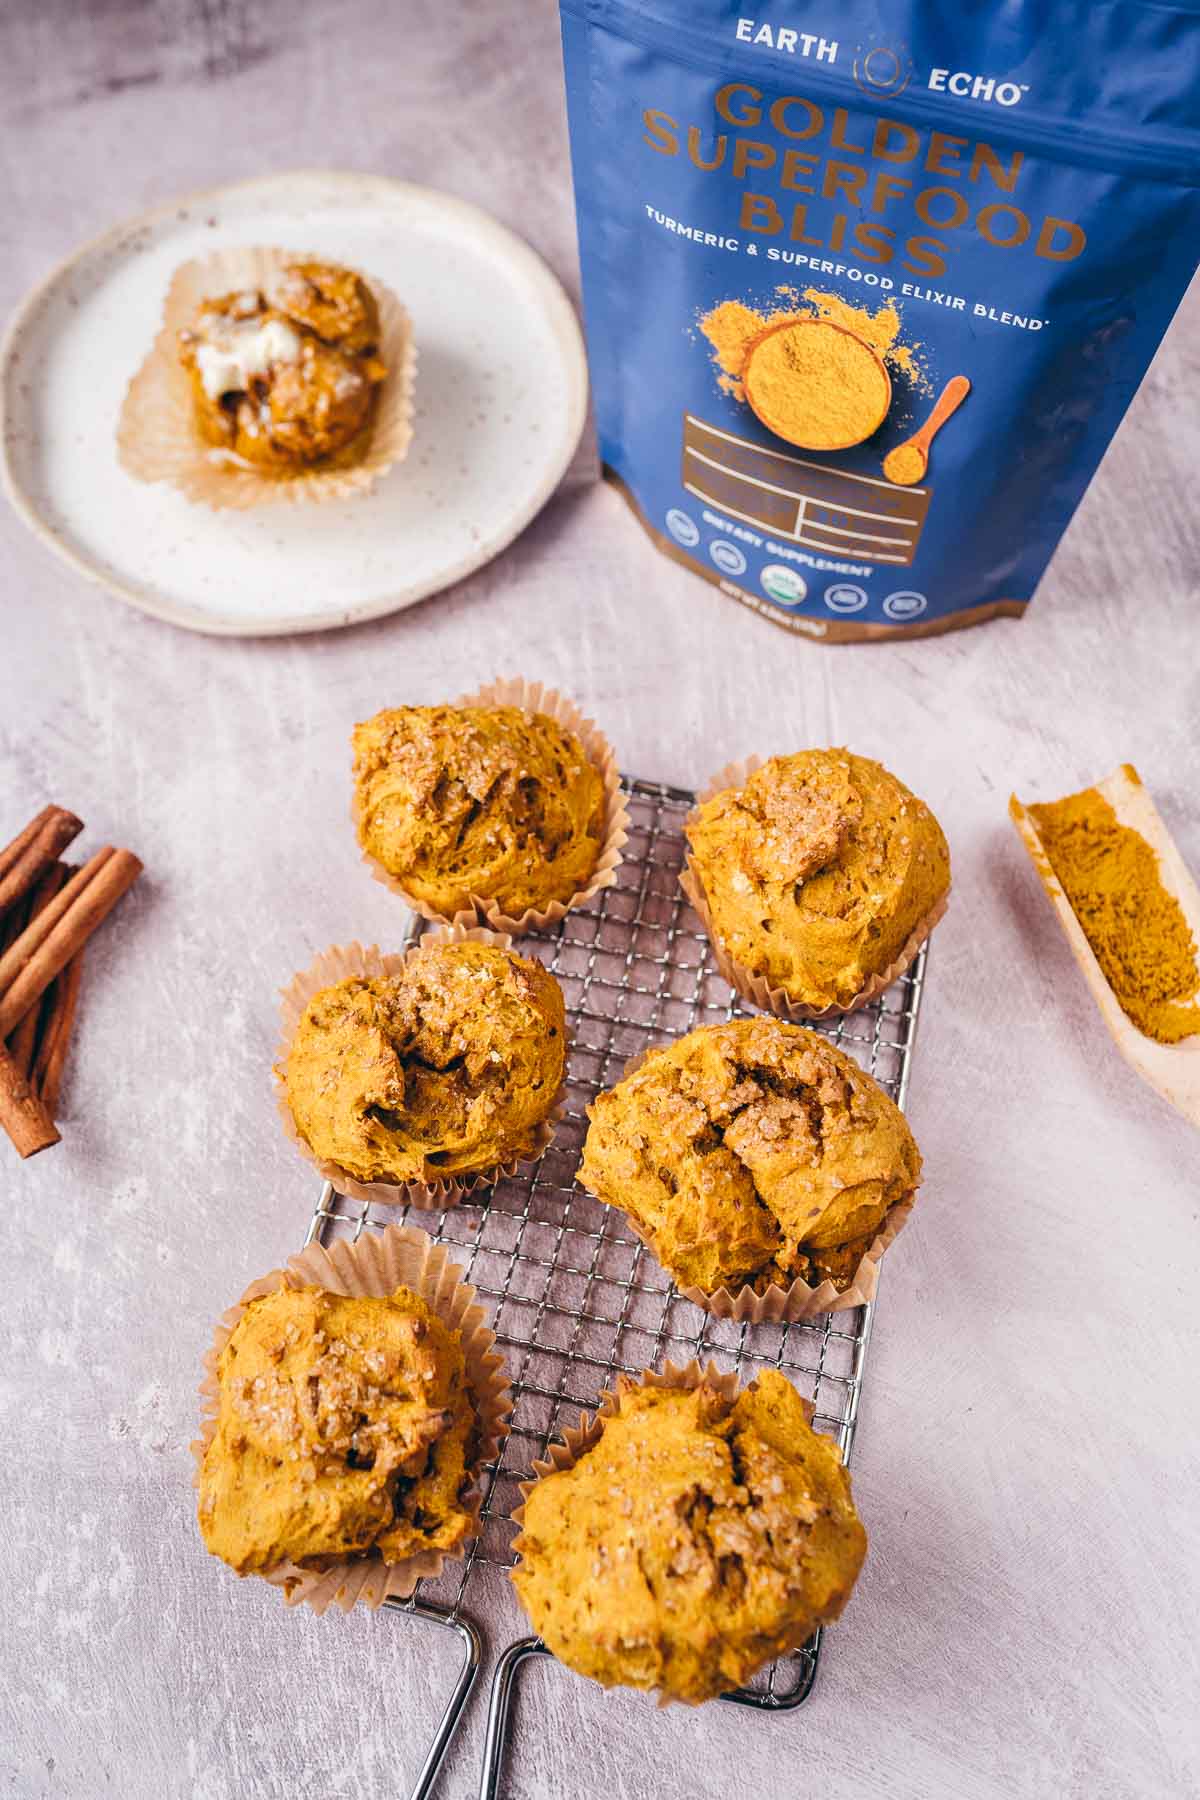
(575, 1298)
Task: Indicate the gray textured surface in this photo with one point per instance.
(1026, 1461)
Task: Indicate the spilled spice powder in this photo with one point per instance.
(1136, 928)
(880, 329)
(731, 327)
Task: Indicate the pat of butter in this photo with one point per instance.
(236, 353)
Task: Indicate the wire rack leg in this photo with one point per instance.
(772, 1699)
(451, 1718)
(500, 1711)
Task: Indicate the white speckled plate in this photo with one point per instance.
(501, 397)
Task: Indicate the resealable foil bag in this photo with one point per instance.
(812, 234)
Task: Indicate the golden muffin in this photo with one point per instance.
(446, 1068)
(345, 1427)
(286, 380)
(749, 1154)
(333, 303)
(478, 801)
(817, 871)
(699, 1539)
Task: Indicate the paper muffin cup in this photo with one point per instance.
(377, 1265)
(575, 1441)
(799, 1300)
(756, 989)
(532, 697)
(157, 438)
(436, 1193)
(790, 1305)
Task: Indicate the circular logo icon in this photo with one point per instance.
(727, 557)
(683, 528)
(845, 597)
(783, 584)
(905, 604)
(881, 71)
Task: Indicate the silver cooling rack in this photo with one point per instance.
(575, 1298)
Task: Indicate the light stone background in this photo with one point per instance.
(1025, 1625)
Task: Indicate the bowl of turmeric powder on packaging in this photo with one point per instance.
(816, 384)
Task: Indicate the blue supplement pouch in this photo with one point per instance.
(869, 287)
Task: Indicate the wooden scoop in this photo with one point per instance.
(1172, 1069)
(907, 463)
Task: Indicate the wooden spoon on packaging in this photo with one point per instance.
(1173, 1070)
(909, 461)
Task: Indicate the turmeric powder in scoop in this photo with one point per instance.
(905, 465)
(1136, 927)
(817, 385)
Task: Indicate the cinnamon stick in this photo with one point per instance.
(62, 999)
(13, 924)
(34, 932)
(24, 838)
(22, 1114)
(24, 1039)
(23, 863)
(49, 942)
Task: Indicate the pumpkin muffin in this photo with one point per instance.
(817, 872)
(446, 1068)
(701, 1537)
(287, 379)
(345, 1427)
(750, 1154)
(488, 802)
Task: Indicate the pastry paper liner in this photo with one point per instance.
(755, 988)
(779, 1305)
(786, 1305)
(156, 435)
(378, 1264)
(577, 1440)
(532, 696)
(338, 963)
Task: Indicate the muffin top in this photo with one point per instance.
(446, 1068)
(333, 303)
(817, 871)
(696, 1541)
(344, 1426)
(285, 379)
(749, 1154)
(487, 801)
